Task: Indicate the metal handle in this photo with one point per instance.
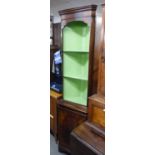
(51, 116)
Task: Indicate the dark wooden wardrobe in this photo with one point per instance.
(89, 137)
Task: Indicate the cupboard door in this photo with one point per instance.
(68, 119)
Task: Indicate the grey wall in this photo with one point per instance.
(57, 5)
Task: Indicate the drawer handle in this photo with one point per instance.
(51, 116)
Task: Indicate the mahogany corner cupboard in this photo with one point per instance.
(78, 36)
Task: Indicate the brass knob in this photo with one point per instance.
(52, 116)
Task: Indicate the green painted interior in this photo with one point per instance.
(75, 90)
(76, 65)
(76, 36)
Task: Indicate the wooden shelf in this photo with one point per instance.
(74, 107)
(91, 141)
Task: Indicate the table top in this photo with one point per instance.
(55, 94)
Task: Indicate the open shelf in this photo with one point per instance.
(75, 51)
(76, 37)
(75, 78)
(75, 65)
(75, 90)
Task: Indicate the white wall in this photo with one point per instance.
(57, 5)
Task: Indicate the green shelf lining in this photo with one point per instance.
(76, 35)
(74, 51)
(75, 65)
(75, 91)
(76, 40)
(77, 78)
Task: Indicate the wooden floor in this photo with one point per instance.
(54, 147)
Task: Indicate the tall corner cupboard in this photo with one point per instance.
(78, 37)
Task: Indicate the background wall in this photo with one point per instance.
(56, 5)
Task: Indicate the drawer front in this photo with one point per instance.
(98, 116)
(96, 113)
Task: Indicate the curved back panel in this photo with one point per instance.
(76, 37)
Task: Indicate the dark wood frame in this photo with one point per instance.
(89, 137)
(97, 100)
(87, 15)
